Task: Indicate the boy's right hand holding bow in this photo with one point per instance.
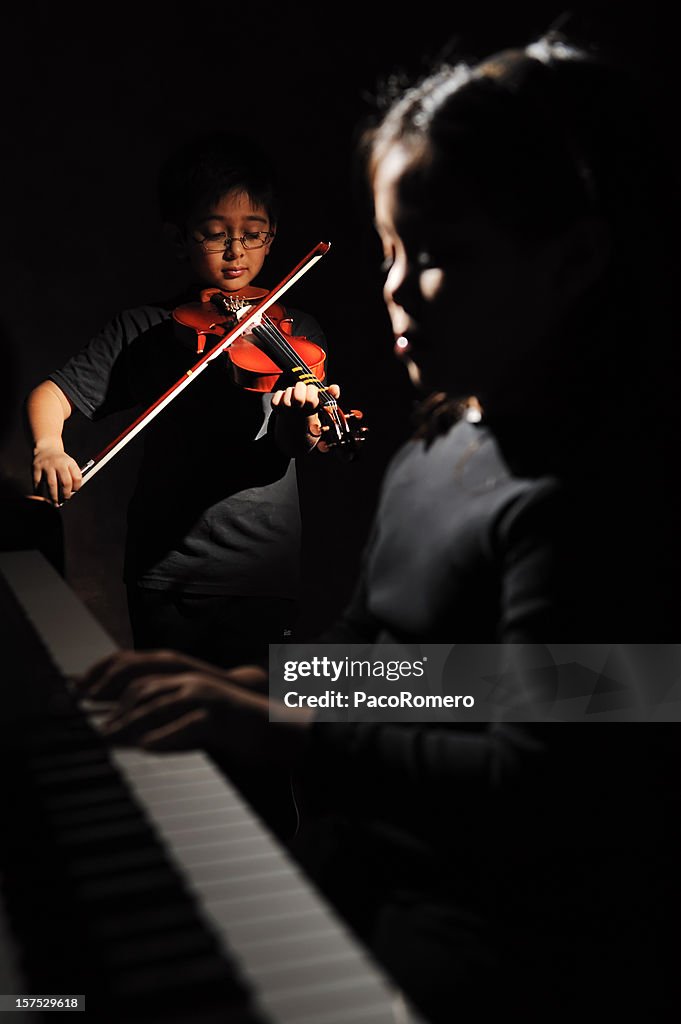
(56, 476)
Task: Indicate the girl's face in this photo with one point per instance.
(233, 217)
(474, 304)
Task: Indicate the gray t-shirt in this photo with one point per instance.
(216, 507)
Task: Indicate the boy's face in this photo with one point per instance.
(233, 217)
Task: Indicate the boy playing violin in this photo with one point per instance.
(212, 557)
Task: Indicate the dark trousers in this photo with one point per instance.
(222, 629)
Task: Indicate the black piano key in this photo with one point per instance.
(117, 863)
(110, 835)
(112, 926)
(92, 774)
(92, 814)
(94, 796)
(207, 973)
(68, 758)
(143, 886)
(159, 947)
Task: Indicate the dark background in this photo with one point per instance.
(91, 103)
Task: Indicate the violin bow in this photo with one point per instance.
(98, 461)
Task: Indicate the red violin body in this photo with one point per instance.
(254, 369)
(260, 357)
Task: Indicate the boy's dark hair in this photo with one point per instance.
(210, 165)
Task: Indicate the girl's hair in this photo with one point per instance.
(207, 167)
(542, 136)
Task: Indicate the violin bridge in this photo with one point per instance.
(231, 303)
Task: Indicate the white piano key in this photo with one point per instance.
(315, 996)
(396, 1012)
(263, 873)
(293, 973)
(299, 946)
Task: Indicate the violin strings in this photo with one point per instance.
(280, 341)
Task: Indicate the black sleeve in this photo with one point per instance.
(97, 379)
(419, 778)
(524, 545)
(563, 561)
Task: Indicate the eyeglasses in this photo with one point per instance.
(250, 240)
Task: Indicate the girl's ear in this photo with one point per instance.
(175, 239)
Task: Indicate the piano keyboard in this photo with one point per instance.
(236, 933)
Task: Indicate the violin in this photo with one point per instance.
(252, 307)
(269, 352)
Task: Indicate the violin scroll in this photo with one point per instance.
(343, 434)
